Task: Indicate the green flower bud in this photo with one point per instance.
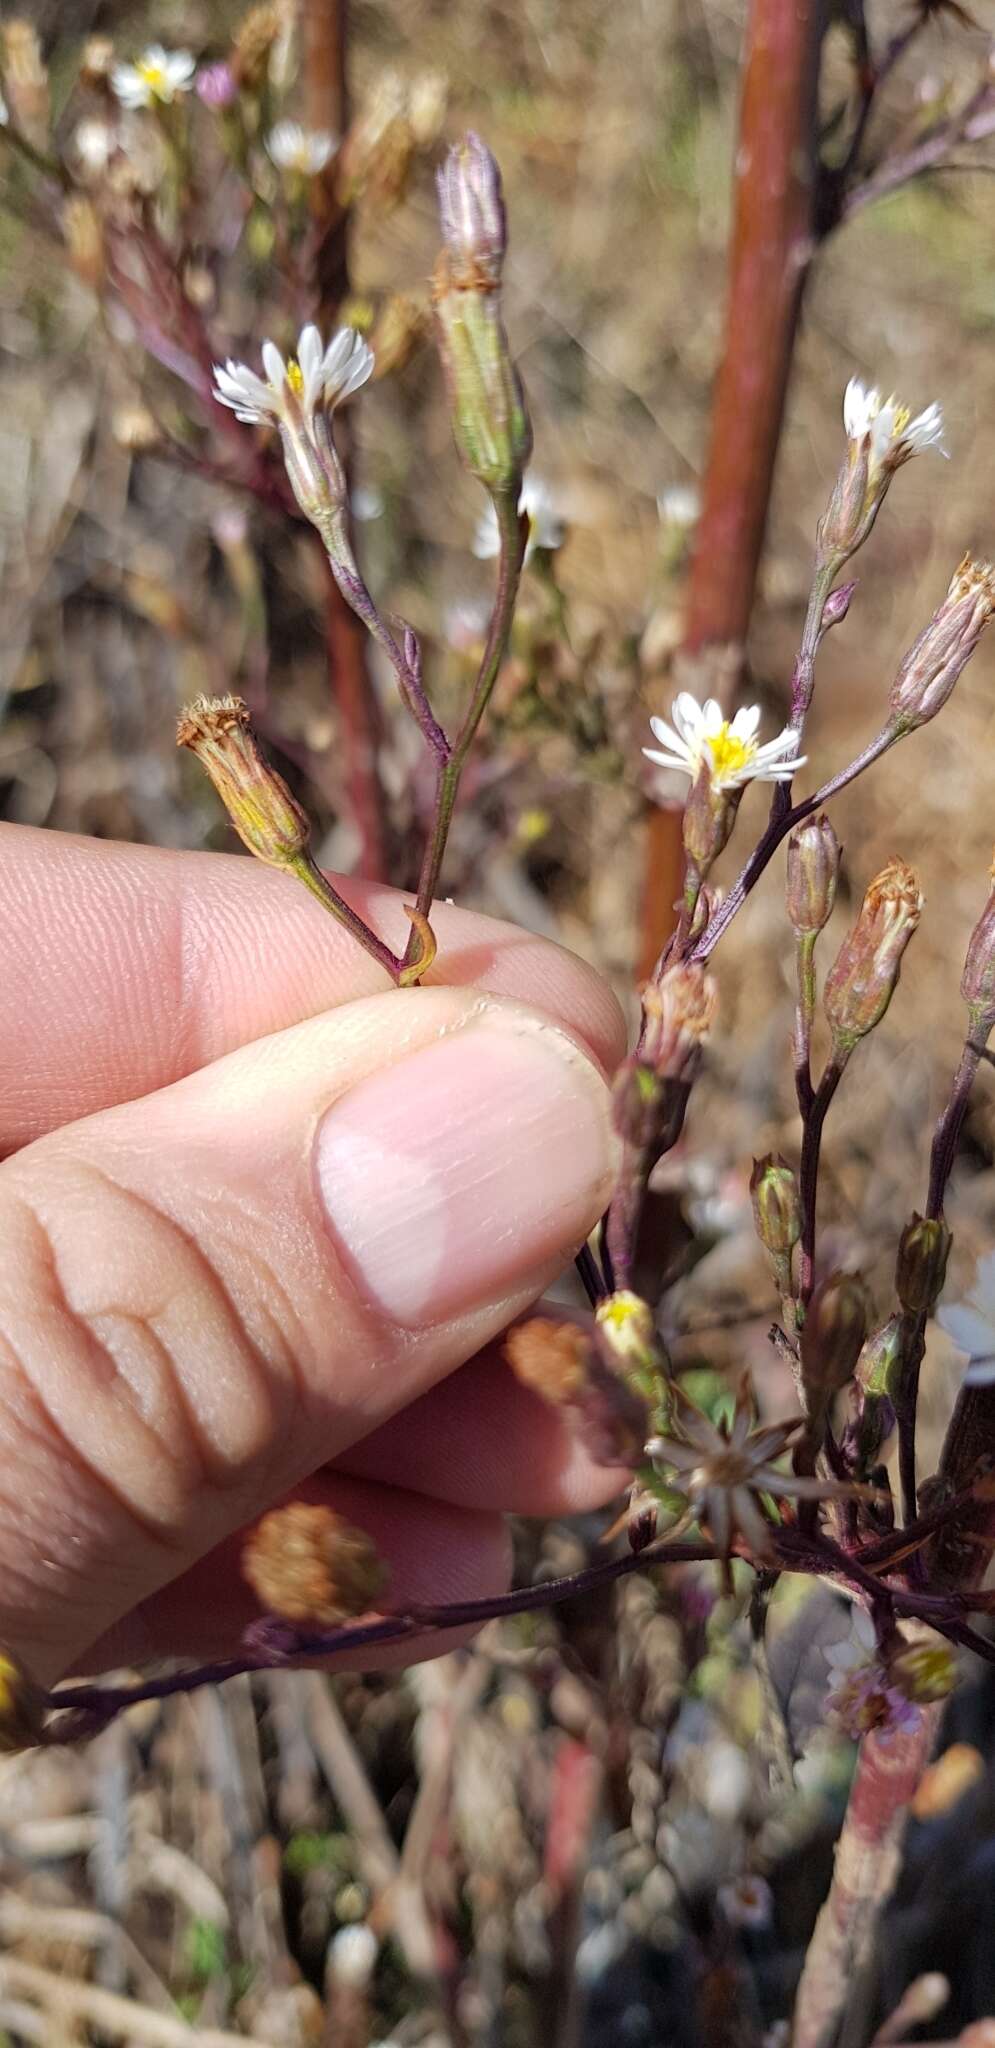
(833, 1335)
(921, 1266)
(490, 418)
(776, 1208)
(924, 1671)
(880, 1360)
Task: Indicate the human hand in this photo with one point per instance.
(261, 1217)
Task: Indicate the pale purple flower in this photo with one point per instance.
(215, 85)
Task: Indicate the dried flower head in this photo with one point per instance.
(308, 1564)
(305, 151)
(549, 1357)
(864, 975)
(679, 1010)
(265, 815)
(724, 1466)
(933, 664)
(155, 79)
(701, 737)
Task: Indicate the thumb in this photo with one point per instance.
(211, 1292)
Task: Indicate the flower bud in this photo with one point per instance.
(471, 210)
(862, 979)
(837, 605)
(933, 663)
(924, 1671)
(921, 1266)
(308, 1564)
(259, 804)
(814, 855)
(490, 418)
(678, 1013)
(776, 1209)
(977, 985)
(627, 1330)
(833, 1334)
(880, 1360)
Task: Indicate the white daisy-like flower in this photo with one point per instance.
(304, 150)
(701, 733)
(155, 79)
(971, 1324)
(547, 527)
(315, 376)
(894, 434)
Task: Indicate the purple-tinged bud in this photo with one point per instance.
(833, 1334)
(977, 985)
(863, 977)
(837, 605)
(921, 1266)
(471, 209)
(776, 1207)
(678, 1013)
(215, 85)
(266, 817)
(934, 662)
(814, 855)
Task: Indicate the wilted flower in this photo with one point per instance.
(547, 528)
(971, 1324)
(723, 1466)
(679, 1009)
(216, 85)
(308, 1564)
(304, 150)
(863, 977)
(701, 735)
(263, 811)
(155, 79)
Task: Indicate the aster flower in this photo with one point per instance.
(701, 734)
(155, 79)
(971, 1324)
(547, 529)
(722, 1467)
(314, 377)
(894, 436)
(860, 1692)
(304, 150)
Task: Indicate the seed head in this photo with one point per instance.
(265, 815)
(860, 984)
(549, 1357)
(308, 1564)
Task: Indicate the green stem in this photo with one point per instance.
(305, 870)
(450, 770)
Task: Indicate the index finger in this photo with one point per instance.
(127, 967)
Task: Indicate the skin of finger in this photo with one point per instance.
(183, 1343)
(127, 967)
(433, 1554)
(482, 1440)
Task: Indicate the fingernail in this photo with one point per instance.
(461, 1171)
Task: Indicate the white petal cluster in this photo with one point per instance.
(155, 79)
(701, 733)
(547, 527)
(315, 376)
(894, 434)
(305, 150)
(971, 1324)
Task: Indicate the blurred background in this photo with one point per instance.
(567, 1836)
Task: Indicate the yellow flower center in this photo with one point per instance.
(154, 77)
(903, 414)
(729, 755)
(295, 377)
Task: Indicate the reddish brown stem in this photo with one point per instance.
(773, 239)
